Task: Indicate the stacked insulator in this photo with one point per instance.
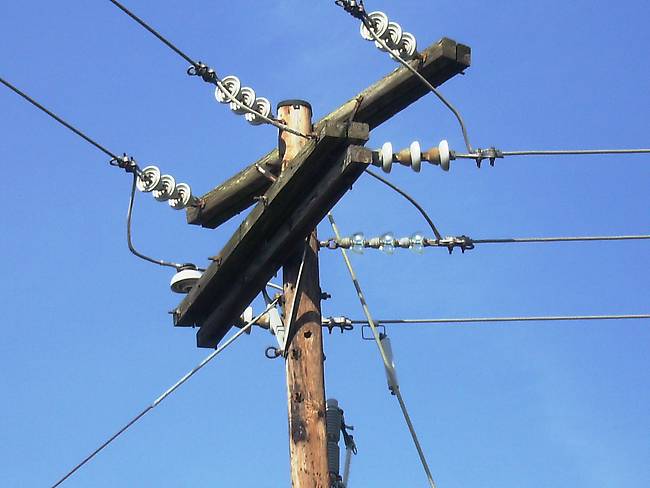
(246, 97)
(399, 42)
(165, 189)
(334, 423)
(388, 243)
(413, 156)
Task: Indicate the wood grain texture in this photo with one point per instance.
(378, 103)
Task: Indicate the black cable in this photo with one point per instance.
(60, 120)
(129, 216)
(411, 200)
(154, 32)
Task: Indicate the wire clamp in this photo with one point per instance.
(343, 323)
(492, 154)
(127, 163)
(463, 242)
(354, 7)
(272, 352)
(205, 72)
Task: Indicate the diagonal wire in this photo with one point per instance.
(296, 298)
(382, 352)
(213, 78)
(410, 199)
(168, 392)
(59, 119)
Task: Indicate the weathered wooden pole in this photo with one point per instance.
(304, 354)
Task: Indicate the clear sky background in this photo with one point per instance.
(87, 341)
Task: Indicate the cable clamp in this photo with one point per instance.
(343, 323)
(127, 163)
(354, 7)
(463, 242)
(492, 154)
(205, 72)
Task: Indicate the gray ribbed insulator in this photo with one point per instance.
(333, 457)
(334, 420)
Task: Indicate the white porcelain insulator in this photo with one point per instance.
(149, 180)
(386, 156)
(247, 98)
(408, 46)
(181, 197)
(416, 156)
(445, 155)
(233, 85)
(392, 37)
(380, 21)
(261, 105)
(166, 190)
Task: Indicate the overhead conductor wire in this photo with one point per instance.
(412, 200)
(168, 392)
(474, 320)
(384, 357)
(561, 152)
(210, 75)
(60, 120)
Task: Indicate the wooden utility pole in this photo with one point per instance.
(304, 350)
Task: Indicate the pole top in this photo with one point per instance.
(289, 103)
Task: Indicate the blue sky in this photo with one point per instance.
(87, 340)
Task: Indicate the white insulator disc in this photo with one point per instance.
(181, 197)
(416, 156)
(261, 105)
(247, 98)
(380, 21)
(392, 37)
(445, 155)
(247, 316)
(387, 157)
(149, 179)
(408, 46)
(230, 83)
(166, 190)
(184, 280)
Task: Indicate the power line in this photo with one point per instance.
(473, 320)
(168, 392)
(387, 364)
(560, 152)
(110, 154)
(207, 74)
(412, 200)
(521, 240)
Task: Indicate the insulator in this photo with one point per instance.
(417, 243)
(391, 374)
(440, 156)
(416, 156)
(166, 188)
(185, 279)
(181, 198)
(233, 85)
(358, 243)
(261, 105)
(247, 97)
(333, 458)
(380, 21)
(386, 157)
(408, 46)
(149, 179)
(387, 243)
(333, 420)
(392, 37)
(445, 155)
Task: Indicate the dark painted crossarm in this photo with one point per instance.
(373, 106)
